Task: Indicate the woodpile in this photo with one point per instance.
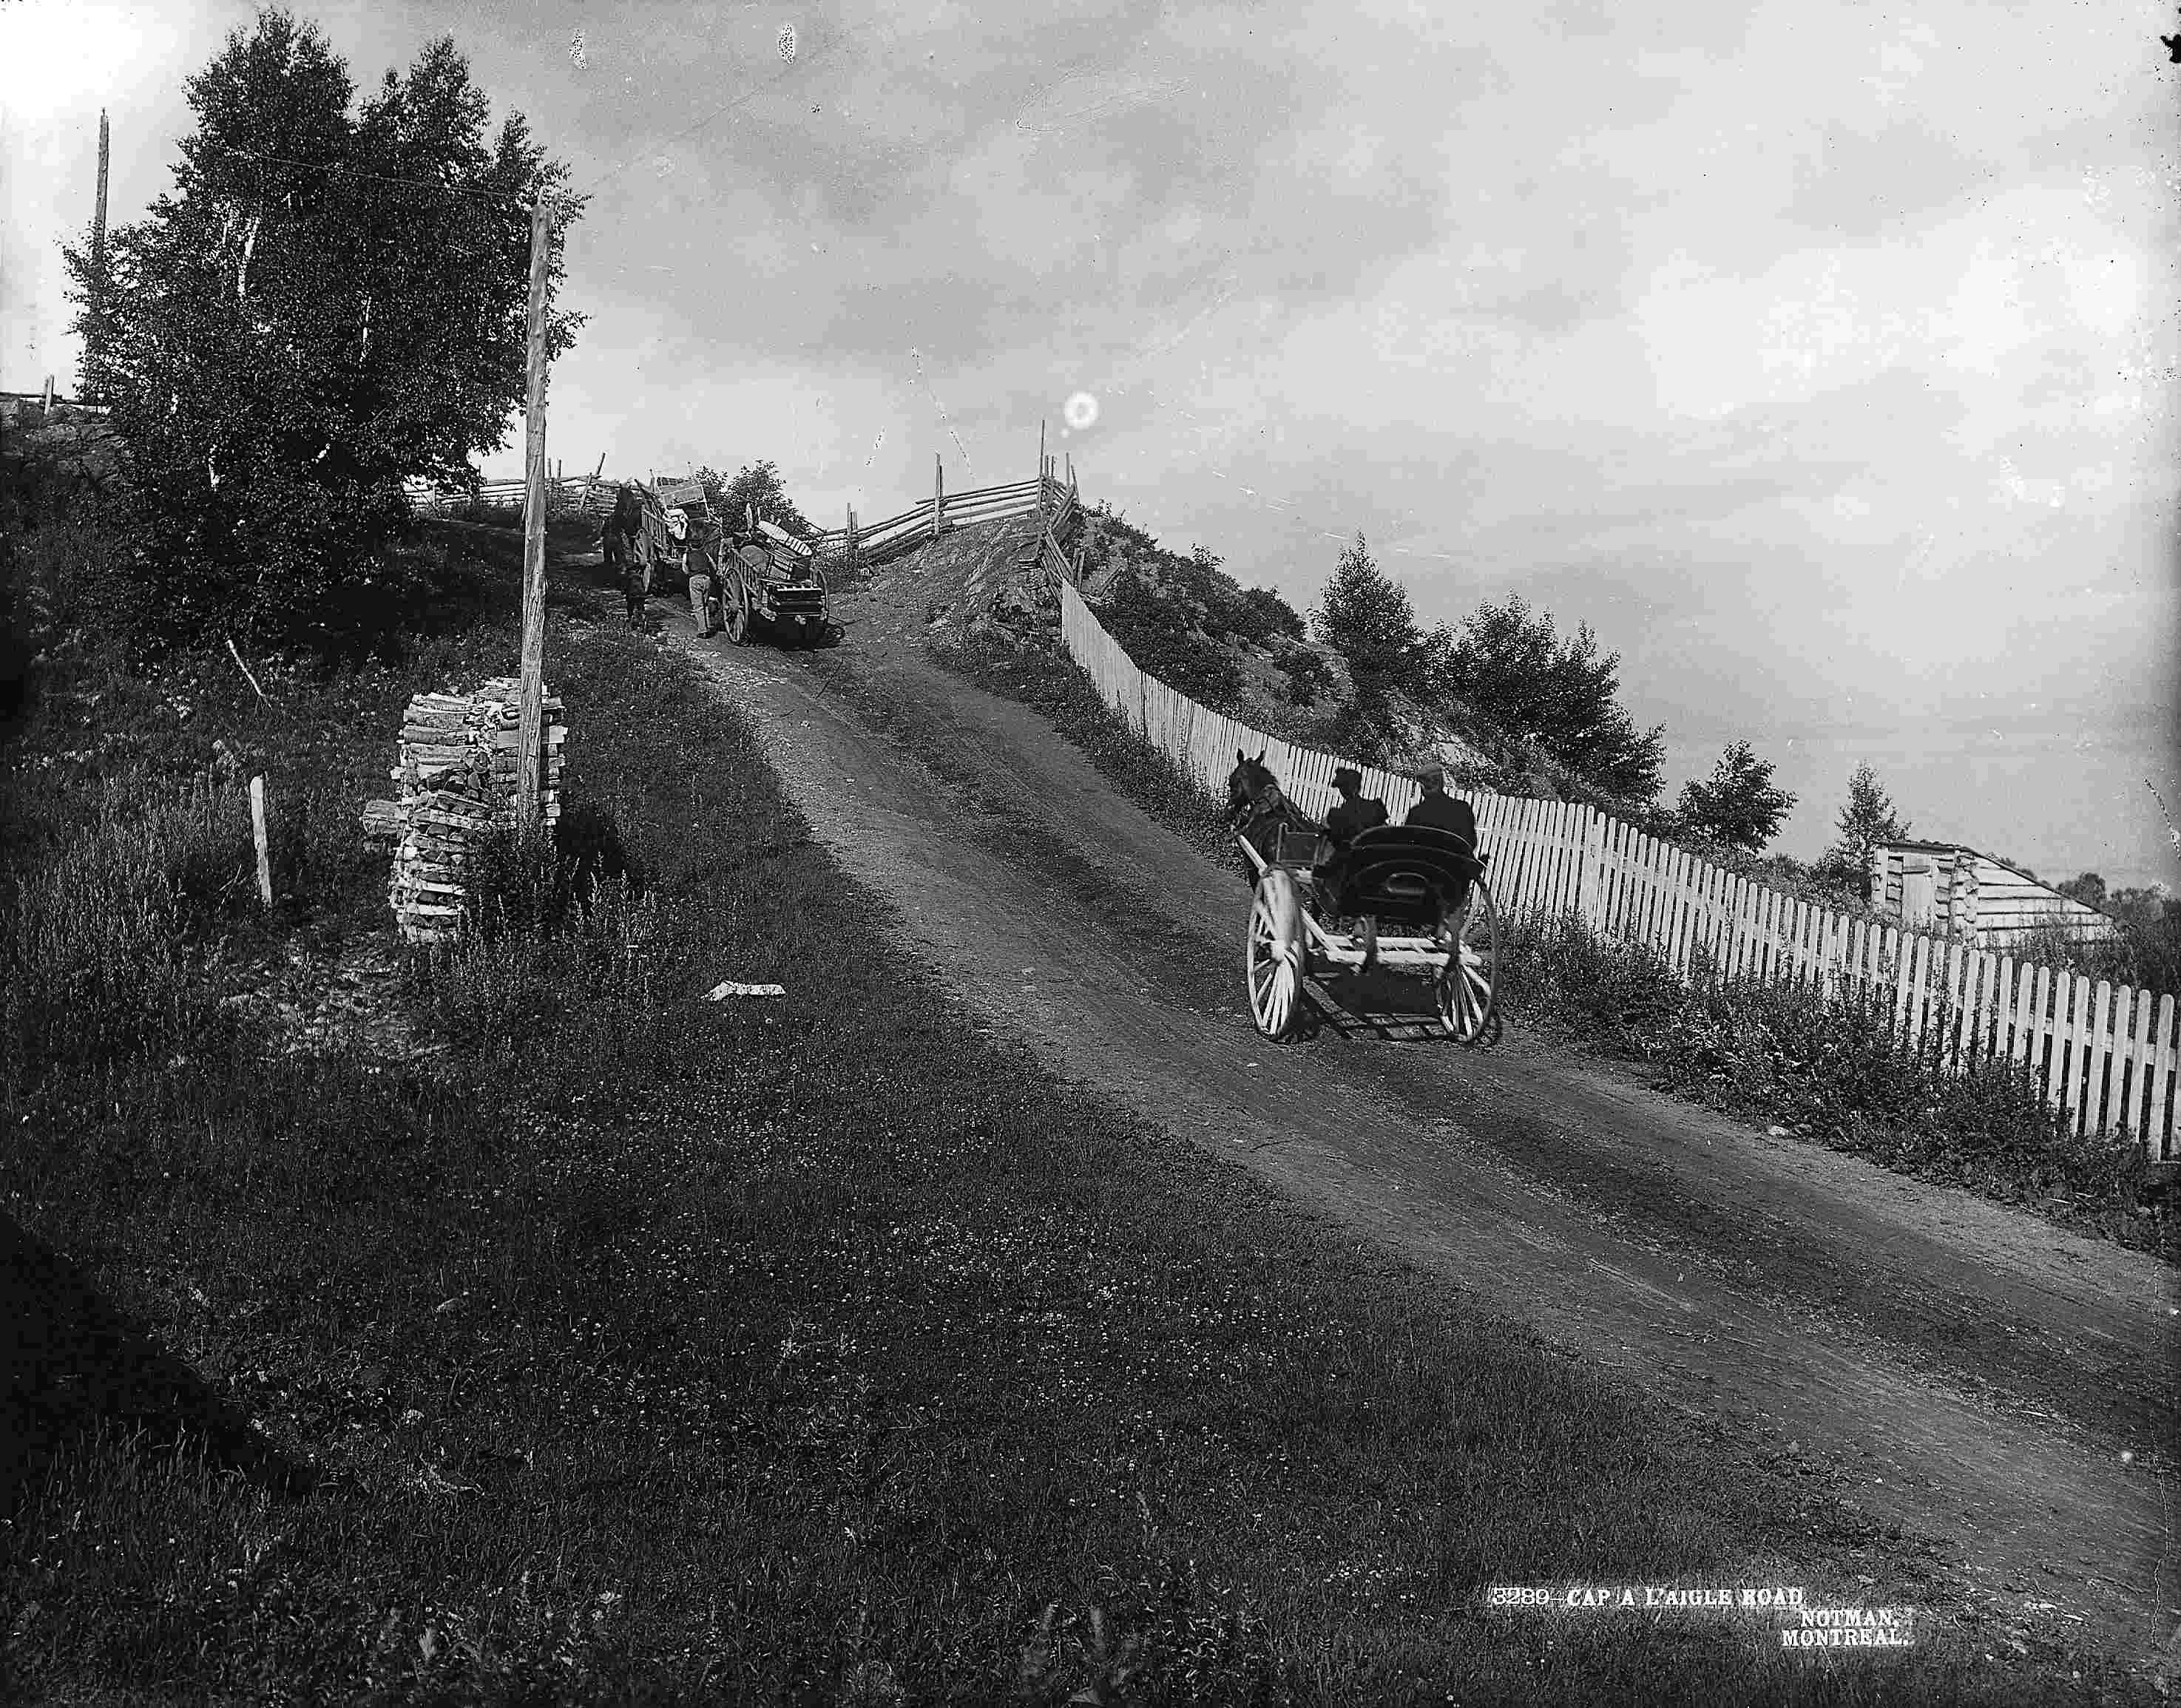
(457, 783)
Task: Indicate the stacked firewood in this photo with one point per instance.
(457, 781)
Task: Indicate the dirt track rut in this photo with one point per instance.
(1970, 1373)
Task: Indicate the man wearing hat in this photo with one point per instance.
(1355, 813)
(1437, 810)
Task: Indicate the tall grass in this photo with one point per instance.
(1836, 1068)
(102, 945)
(541, 928)
(2143, 952)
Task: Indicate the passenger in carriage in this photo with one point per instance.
(1439, 811)
(1356, 812)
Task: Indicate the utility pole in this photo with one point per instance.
(529, 770)
(98, 253)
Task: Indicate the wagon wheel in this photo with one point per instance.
(1275, 961)
(737, 624)
(1466, 986)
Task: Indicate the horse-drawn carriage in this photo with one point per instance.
(1404, 898)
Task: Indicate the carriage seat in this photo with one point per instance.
(1401, 874)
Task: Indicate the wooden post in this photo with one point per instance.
(47, 405)
(1041, 477)
(938, 493)
(258, 830)
(528, 753)
(94, 340)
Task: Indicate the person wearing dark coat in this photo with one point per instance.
(1437, 810)
(624, 556)
(1355, 813)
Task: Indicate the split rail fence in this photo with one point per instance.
(2105, 1055)
(878, 542)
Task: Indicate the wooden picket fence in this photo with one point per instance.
(2105, 1055)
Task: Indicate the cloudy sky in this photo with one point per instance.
(1820, 355)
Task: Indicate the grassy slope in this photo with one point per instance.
(805, 1350)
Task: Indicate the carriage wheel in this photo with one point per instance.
(1465, 987)
(738, 624)
(1273, 963)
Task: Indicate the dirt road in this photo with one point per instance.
(1972, 1374)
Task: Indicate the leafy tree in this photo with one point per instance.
(1736, 804)
(2089, 889)
(760, 485)
(1308, 679)
(323, 308)
(1268, 619)
(1516, 669)
(1364, 615)
(1153, 624)
(1867, 819)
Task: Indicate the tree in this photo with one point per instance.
(758, 486)
(1514, 669)
(323, 308)
(1736, 804)
(1364, 615)
(2089, 889)
(1867, 819)
(1266, 618)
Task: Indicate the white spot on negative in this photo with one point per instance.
(787, 41)
(576, 50)
(1080, 411)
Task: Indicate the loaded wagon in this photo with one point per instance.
(771, 587)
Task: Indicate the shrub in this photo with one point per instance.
(1157, 629)
(539, 927)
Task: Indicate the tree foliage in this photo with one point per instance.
(1364, 615)
(2089, 888)
(1181, 618)
(1735, 805)
(756, 486)
(1157, 627)
(1867, 819)
(325, 306)
(1513, 667)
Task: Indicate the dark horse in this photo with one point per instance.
(1259, 807)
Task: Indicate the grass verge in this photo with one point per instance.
(642, 1348)
(1833, 1073)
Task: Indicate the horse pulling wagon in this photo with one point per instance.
(1406, 899)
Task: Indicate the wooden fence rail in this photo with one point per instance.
(2104, 1056)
